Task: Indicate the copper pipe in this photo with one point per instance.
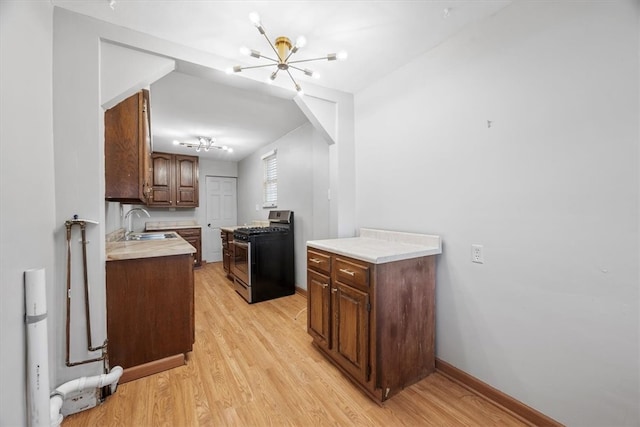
(69, 225)
(87, 304)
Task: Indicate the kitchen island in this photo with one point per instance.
(371, 307)
(150, 312)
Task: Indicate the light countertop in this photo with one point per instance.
(170, 225)
(231, 228)
(381, 246)
(132, 249)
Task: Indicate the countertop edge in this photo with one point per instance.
(126, 250)
(417, 253)
(159, 226)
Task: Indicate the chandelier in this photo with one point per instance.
(284, 50)
(205, 143)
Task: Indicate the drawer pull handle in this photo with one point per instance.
(334, 290)
(349, 272)
(315, 260)
(324, 285)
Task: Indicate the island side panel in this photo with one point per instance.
(405, 307)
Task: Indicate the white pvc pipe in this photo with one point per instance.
(54, 410)
(43, 409)
(37, 347)
(78, 385)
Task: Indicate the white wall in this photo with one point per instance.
(125, 71)
(332, 113)
(551, 190)
(26, 184)
(79, 189)
(303, 181)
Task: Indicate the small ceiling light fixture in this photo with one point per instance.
(284, 50)
(205, 143)
(112, 4)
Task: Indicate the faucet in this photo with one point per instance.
(128, 217)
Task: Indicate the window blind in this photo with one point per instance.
(270, 189)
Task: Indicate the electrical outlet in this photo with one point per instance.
(477, 255)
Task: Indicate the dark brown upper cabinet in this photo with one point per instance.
(174, 181)
(127, 149)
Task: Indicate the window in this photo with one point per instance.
(270, 181)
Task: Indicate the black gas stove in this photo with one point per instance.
(262, 265)
(279, 222)
(245, 232)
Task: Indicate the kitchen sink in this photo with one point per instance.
(151, 236)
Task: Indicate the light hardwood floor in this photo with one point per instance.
(254, 365)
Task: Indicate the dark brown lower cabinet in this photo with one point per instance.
(150, 311)
(375, 322)
(227, 248)
(194, 237)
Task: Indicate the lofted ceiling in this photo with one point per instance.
(184, 106)
(379, 36)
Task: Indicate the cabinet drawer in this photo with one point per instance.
(319, 261)
(351, 273)
(188, 232)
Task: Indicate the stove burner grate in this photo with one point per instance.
(250, 231)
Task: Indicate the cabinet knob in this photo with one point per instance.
(334, 290)
(324, 285)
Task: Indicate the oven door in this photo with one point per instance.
(242, 268)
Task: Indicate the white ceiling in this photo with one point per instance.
(379, 36)
(184, 107)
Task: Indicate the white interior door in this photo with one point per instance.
(222, 210)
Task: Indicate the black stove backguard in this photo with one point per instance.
(281, 217)
(268, 259)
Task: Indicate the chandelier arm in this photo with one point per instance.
(270, 59)
(291, 52)
(297, 68)
(292, 79)
(257, 66)
(308, 60)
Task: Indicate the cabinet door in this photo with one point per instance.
(145, 147)
(194, 237)
(318, 314)
(149, 309)
(226, 254)
(186, 181)
(350, 342)
(126, 150)
(161, 187)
